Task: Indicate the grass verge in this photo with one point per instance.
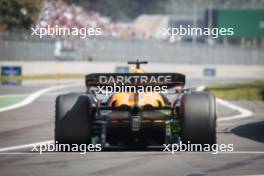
(10, 100)
(239, 91)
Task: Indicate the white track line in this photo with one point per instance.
(200, 88)
(34, 96)
(244, 113)
(27, 101)
(23, 146)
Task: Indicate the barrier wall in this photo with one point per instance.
(81, 67)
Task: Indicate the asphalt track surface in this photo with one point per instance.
(35, 123)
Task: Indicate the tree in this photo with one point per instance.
(18, 15)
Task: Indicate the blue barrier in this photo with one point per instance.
(8, 72)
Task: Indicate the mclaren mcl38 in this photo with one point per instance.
(135, 109)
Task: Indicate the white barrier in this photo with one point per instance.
(82, 67)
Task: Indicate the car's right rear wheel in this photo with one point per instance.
(198, 113)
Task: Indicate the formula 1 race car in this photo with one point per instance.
(135, 109)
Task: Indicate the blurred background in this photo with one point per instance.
(132, 30)
(230, 66)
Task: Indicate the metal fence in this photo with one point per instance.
(18, 47)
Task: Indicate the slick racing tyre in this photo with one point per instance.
(73, 116)
(198, 113)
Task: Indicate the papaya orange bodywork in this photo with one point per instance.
(141, 99)
(128, 99)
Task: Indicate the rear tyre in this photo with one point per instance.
(73, 117)
(198, 115)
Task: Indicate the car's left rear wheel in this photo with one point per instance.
(73, 117)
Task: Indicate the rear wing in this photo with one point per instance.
(135, 79)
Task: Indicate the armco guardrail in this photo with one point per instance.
(27, 48)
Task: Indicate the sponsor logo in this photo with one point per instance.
(135, 79)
